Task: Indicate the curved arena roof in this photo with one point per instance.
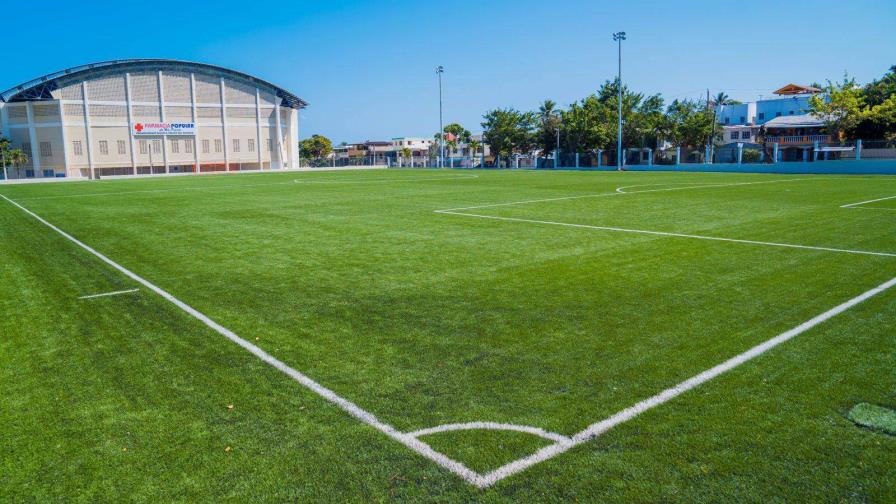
(40, 88)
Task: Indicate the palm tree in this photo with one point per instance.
(547, 112)
(720, 101)
(4, 146)
(15, 157)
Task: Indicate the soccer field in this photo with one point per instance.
(448, 335)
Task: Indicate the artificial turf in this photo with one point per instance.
(425, 319)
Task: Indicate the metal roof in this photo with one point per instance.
(796, 121)
(41, 87)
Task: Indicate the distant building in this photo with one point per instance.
(790, 100)
(149, 116)
(786, 118)
(418, 146)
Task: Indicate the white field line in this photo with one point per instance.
(665, 233)
(239, 186)
(872, 208)
(618, 193)
(141, 191)
(107, 294)
(596, 429)
(553, 436)
(377, 181)
(851, 205)
(351, 408)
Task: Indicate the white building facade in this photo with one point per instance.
(134, 117)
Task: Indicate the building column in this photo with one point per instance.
(32, 137)
(4, 121)
(127, 97)
(87, 130)
(279, 142)
(64, 138)
(195, 123)
(293, 150)
(258, 146)
(224, 128)
(162, 115)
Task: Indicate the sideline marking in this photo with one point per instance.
(372, 180)
(666, 233)
(619, 192)
(238, 186)
(851, 205)
(553, 436)
(596, 429)
(106, 294)
(349, 407)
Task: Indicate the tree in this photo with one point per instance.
(880, 90)
(509, 131)
(454, 133)
(15, 157)
(316, 147)
(841, 106)
(4, 147)
(474, 146)
(690, 124)
(549, 126)
(720, 101)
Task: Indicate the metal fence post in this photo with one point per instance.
(599, 153)
(814, 151)
(677, 156)
(706, 159)
(858, 149)
(740, 153)
(577, 160)
(649, 157)
(775, 152)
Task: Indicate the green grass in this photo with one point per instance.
(874, 417)
(426, 319)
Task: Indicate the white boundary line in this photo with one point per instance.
(107, 294)
(665, 233)
(535, 431)
(596, 429)
(351, 408)
(851, 205)
(620, 191)
(240, 186)
(372, 181)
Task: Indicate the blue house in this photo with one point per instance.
(790, 100)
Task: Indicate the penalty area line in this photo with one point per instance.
(853, 205)
(107, 294)
(349, 407)
(668, 234)
(596, 429)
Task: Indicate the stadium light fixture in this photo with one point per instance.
(619, 37)
(440, 70)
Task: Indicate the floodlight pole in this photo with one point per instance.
(619, 37)
(440, 70)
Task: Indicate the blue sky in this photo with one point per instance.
(367, 68)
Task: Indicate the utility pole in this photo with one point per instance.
(440, 70)
(557, 152)
(619, 37)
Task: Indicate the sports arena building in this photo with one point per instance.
(149, 116)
